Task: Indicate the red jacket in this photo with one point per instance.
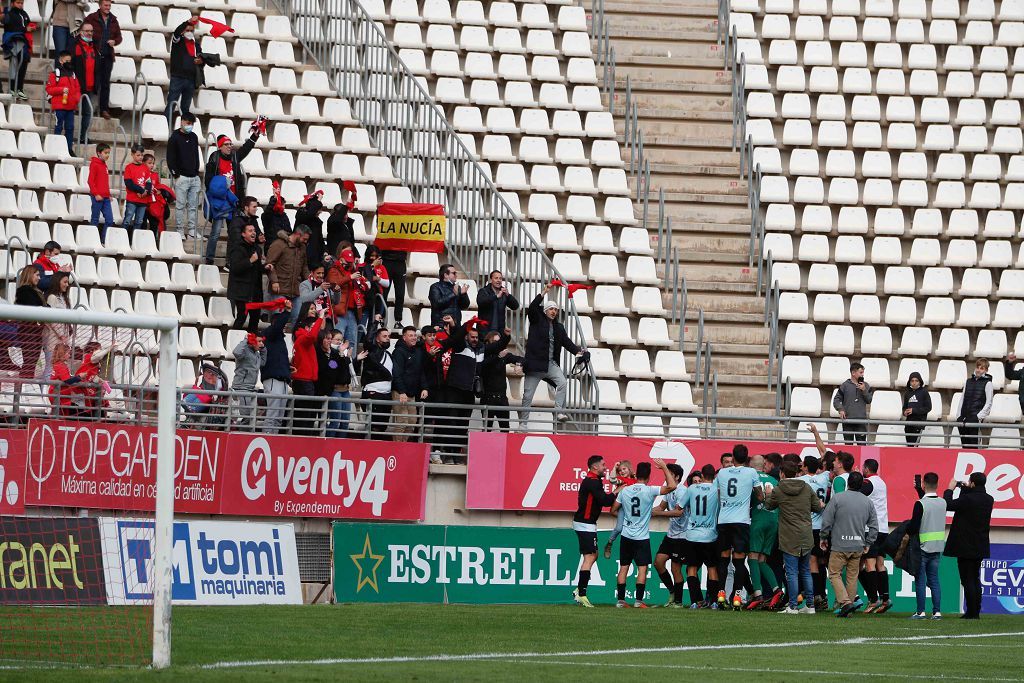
(55, 86)
(135, 177)
(99, 178)
(304, 360)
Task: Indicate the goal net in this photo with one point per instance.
(87, 449)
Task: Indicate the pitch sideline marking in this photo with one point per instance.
(589, 653)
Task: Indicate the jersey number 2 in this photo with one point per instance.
(634, 506)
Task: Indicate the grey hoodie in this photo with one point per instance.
(248, 362)
(850, 521)
(851, 399)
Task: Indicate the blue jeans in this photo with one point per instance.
(338, 413)
(102, 209)
(134, 216)
(66, 125)
(211, 244)
(798, 567)
(183, 88)
(348, 327)
(928, 575)
(61, 41)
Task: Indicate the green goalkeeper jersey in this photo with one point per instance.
(758, 514)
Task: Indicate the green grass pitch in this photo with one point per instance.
(525, 643)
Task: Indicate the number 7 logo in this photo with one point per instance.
(544, 447)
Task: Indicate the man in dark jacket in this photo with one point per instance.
(447, 297)
(493, 299)
(377, 372)
(590, 499)
(544, 346)
(183, 163)
(407, 383)
(460, 359)
(917, 403)
(968, 536)
(976, 403)
(245, 278)
(106, 35)
(186, 67)
(276, 372)
(246, 216)
(227, 161)
(493, 379)
(340, 230)
(796, 502)
(1009, 366)
(309, 215)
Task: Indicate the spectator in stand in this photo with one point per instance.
(16, 47)
(274, 218)
(99, 190)
(245, 278)
(84, 61)
(395, 264)
(492, 300)
(287, 256)
(138, 190)
(340, 231)
(447, 297)
(376, 281)
(227, 161)
(246, 216)
(976, 403)
(308, 214)
(1012, 374)
(183, 163)
(917, 403)
(340, 276)
(56, 333)
(65, 92)
(197, 404)
(106, 33)
(312, 291)
(276, 373)
(407, 384)
(461, 357)
(493, 377)
(376, 369)
(30, 334)
(851, 402)
(250, 356)
(305, 371)
(80, 395)
(334, 374)
(47, 264)
(968, 539)
(186, 68)
(431, 354)
(219, 208)
(544, 346)
(67, 16)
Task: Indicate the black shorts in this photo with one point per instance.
(735, 536)
(875, 550)
(816, 551)
(675, 548)
(634, 551)
(588, 542)
(698, 554)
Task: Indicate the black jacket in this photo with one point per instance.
(237, 155)
(492, 370)
(372, 367)
(309, 215)
(183, 154)
(444, 301)
(464, 366)
(339, 229)
(83, 60)
(537, 356)
(590, 499)
(333, 369)
(919, 401)
(235, 228)
(274, 222)
(278, 365)
(910, 558)
(972, 519)
(1011, 375)
(183, 64)
(492, 307)
(407, 376)
(974, 397)
(245, 277)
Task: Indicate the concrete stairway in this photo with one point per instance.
(669, 51)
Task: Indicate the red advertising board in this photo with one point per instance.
(281, 476)
(113, 467)
(12, 471)
(542, 472)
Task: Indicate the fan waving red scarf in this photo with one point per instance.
(217, 29)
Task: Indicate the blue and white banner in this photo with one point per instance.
(1002, 580)
(213, 563)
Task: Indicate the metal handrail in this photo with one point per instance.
(433, 161)
(137, 107)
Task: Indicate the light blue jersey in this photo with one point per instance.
(735, 488)
(638, 502)
(676, 525)
(819, 484)
(701, 504)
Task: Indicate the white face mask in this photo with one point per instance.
(189, 35)
(336, 347)
(86, 39)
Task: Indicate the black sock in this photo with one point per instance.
(740, 575)
(723, 574)
(620, 591)
(693, 585)
(818, 582)
(666, 580)
(677, 593)
(641, 588)
(713, 587)
(882, 583)
(583, 582)
(867, 579)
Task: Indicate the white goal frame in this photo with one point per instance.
(166, 419)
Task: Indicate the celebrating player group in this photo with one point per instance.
(764, 529)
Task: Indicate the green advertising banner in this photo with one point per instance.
(501, 565)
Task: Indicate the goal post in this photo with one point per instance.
(121, 329)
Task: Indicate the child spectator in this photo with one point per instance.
(84, 61)
(138, 190)
(17, 46)
(250, 356)
(65, 92)
(198, 402)
(334, 378)
(160, 207)
(80, 395)
(219, 208)
(99, 190)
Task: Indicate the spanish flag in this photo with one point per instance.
(411, 227)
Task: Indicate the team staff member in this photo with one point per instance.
(589, 501)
